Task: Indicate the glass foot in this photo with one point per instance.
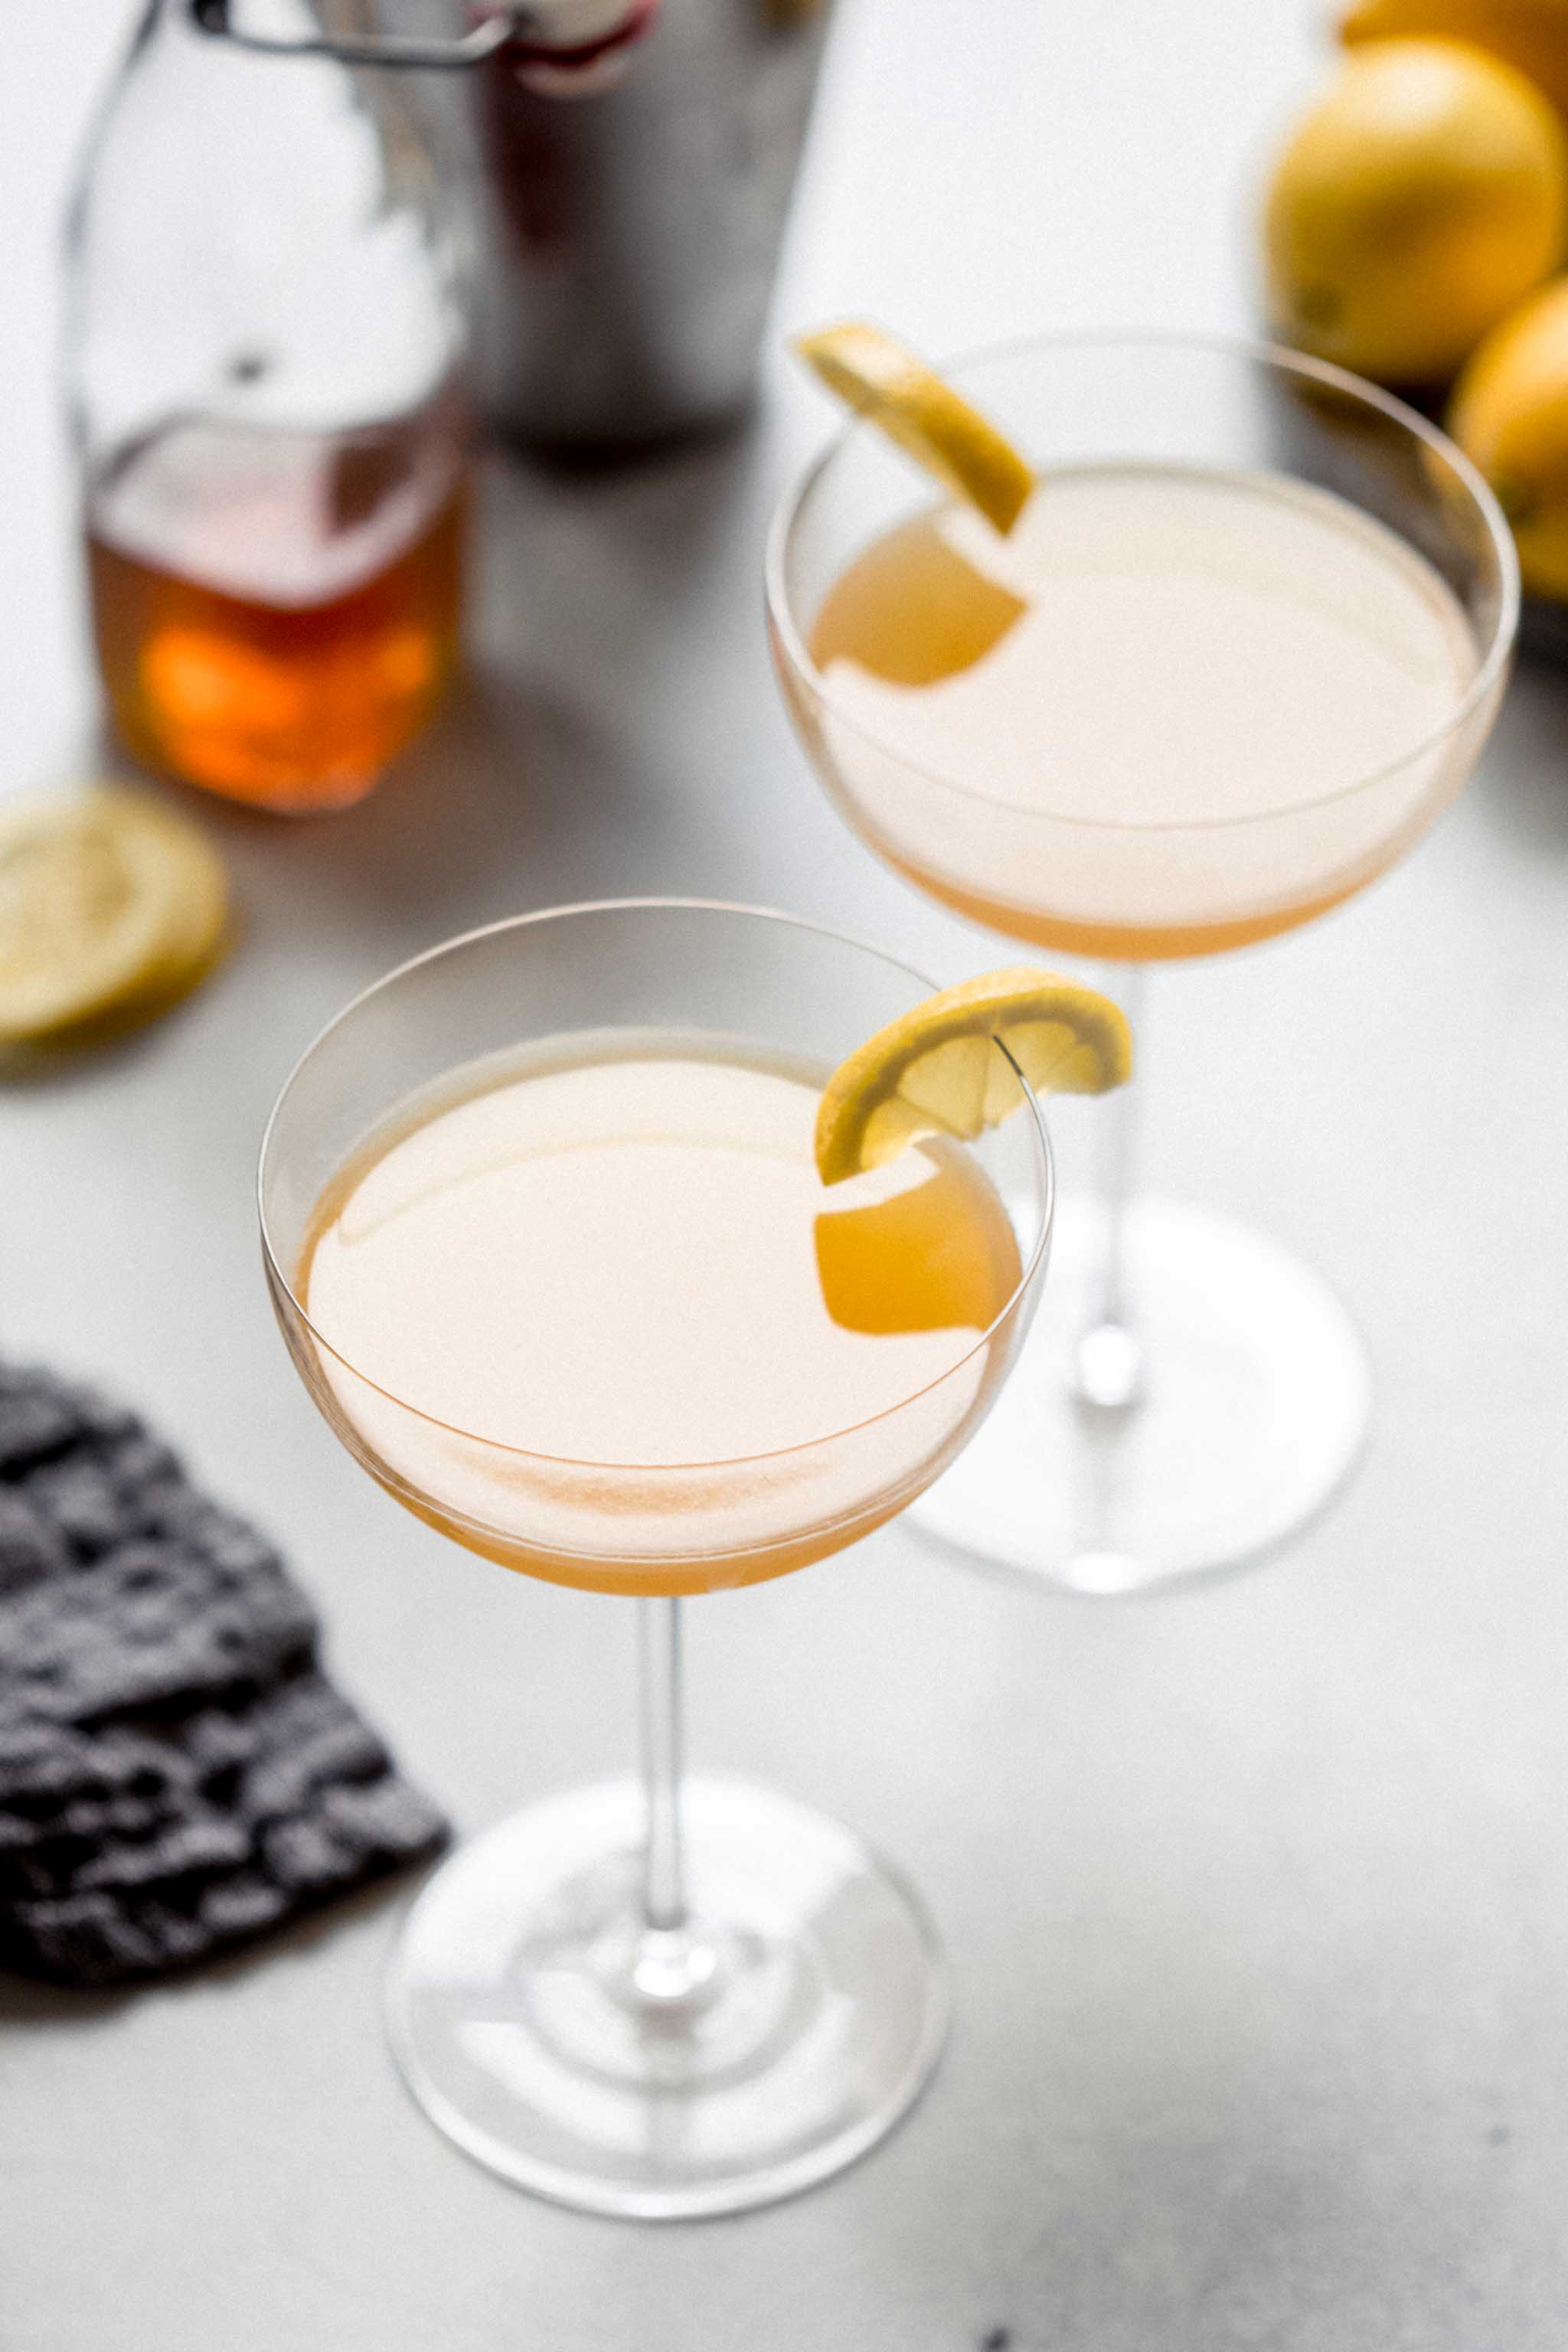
(699, 2071)
(1232, 1423)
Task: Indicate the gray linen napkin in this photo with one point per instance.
(176, 1774)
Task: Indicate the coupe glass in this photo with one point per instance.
(661, 1996)
(1193, 1395)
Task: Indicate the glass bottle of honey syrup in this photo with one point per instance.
(265, 363)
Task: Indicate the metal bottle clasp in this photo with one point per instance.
(470, 49)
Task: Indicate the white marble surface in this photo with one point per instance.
(1257, 1899)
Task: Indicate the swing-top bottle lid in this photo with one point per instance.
(570, 49)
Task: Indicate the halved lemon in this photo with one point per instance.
(936, 1070)
(109, 904)
(884, 379)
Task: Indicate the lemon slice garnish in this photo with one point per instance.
(936, 1070)
(884, 379)
(109, 905)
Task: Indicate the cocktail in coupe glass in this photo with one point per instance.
(543, 1230)
(1242, 645)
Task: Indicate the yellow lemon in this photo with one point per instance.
(886, 382)
(112, 906)
(1419, 200)
(1531, 34)
(936, 1070)
(1510, 413)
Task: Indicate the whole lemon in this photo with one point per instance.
(1420, 199)
(1531, 34)
(1509, 413)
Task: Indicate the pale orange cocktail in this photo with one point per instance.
(544, 1232)
(1188, 641)
(1150, 646)
(630, 1260)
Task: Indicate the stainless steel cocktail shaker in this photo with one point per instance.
(628, 230)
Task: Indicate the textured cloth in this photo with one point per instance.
(176, 1775)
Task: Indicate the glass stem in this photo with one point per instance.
(664, 1868)
(1108, 1363)
(676, 1961)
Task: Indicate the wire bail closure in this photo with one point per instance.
(395, 49)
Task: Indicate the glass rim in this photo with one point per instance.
(1255, 352)
(1029, 1269)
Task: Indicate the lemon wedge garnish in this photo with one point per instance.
(884, 379)
(111, 905)
(936, 1070)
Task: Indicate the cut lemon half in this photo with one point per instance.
(109, 904)
(884, 379)
(936, 1070)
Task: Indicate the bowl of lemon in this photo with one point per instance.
(1415, 230)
